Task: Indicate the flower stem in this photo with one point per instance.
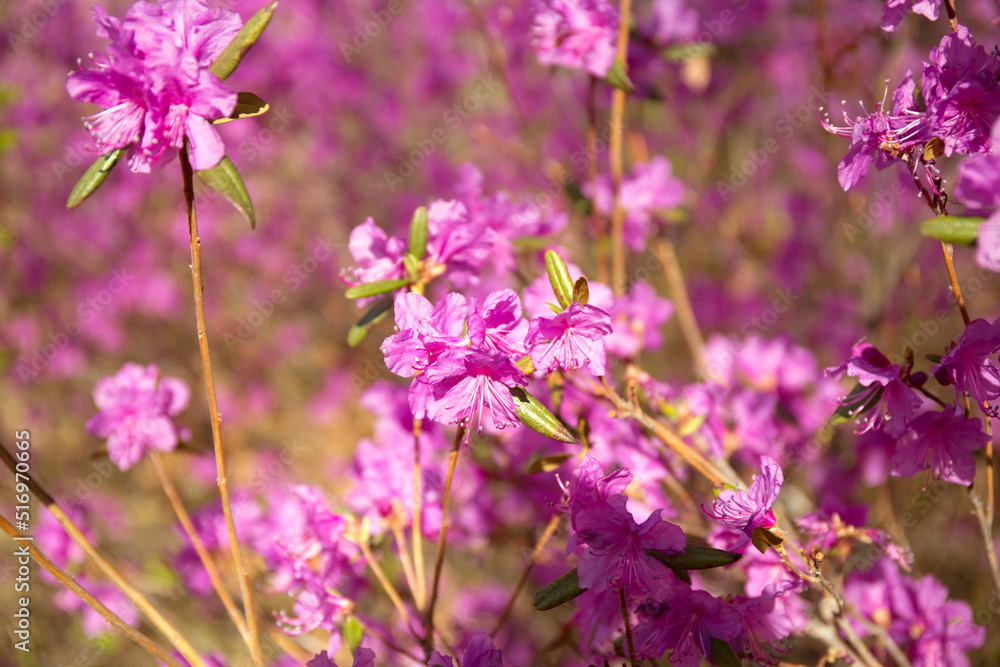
(420, 590)
(949, 251)
(664, 250)
(616, 157)
(539, 546)
(213, 406)
(439, 561)
(95, 604)
(383, 580)
(628, 627)
(596, 221)
(198, 544)
(134, 596)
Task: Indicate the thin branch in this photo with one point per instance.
(420, 590)
(95, 604)
(442, 538)
(198, 544)
(536, 552)
(220, 453)
(628, 627)
(949, 251)
(616, 157)
(387, 586)
(665, 251)
(134, 596)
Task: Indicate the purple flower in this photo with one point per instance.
(898, 404)
(942, 442)
(879, 137)
(968, 365)
(615, 554)
(896, 10)
(155, 84)
(741, 511)
(424, 332)
(463, 385)
(479, 653)
(498, 324)
(571, 339)
(650, 188)
(363, 657)
(941, 630)
(687, 624)
(769, 617)
(378, 256)
(963, 97)
(457, 249)
(135, 411)
(580, 34)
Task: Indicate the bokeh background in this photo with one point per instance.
(373, 118)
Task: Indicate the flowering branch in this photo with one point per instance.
(615, 144)
(134, 596)
(220, 454)
(95, 604)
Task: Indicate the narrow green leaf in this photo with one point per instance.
(562, 284)
(93, 177)
(618, 77)
(352, 634)
(695, 557)
(375, 313)
(762, 539)
(953, 229)
(560, 591)
(537, 417)
(683, 52)
(224, 179)
(248, 105)
(849, 408)
(547, 463)
(245, 38)
(581, 291)
(410, 263)
(723, 654)
(692, 424)
(418, 233)
(374, 289)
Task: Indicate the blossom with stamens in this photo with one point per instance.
(571, 339)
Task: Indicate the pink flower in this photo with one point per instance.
(742, 511)
(579, 34)
(571, 339)
(897, 404)
(155, 84)
(687, 623)
(135, 411)
(464, 385)
(968, 365)
(942, 442)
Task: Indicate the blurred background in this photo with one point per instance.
(372, 118)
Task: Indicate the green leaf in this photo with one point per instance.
(245, 38)
(682, 52)
(562, 284)
(418, 233)
(560, 591)
(525, 366)
(618, 77)
(849, 409)
(224, 179)
(723, 654)
(581, 291)
(763, 538)
(411, 264)
(376, 312)
(378, 287)
(692, 424)
(93, 177)
(537, 417)
(352, 633)
(953, 229)
(248, 105)
(547, 463)
(695, 557)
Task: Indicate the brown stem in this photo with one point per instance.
(442, 537)
(952, 14)
(539, 546)
(596, 221)
(95, 604)
(694, 458)
(134, 596)
(220, 453)
(616, 157)
(665, 251)
(420, 591)
(383, 580)
(948, 251)
(403, 548)
(986, 531)
(198, 544)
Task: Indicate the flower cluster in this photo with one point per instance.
(155, 84)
